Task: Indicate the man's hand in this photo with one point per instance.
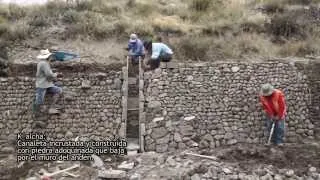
(59, 75)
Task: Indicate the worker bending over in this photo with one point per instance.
(158, 52)
(274, 106)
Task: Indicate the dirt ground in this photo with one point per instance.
(106, 52)
(240, 161)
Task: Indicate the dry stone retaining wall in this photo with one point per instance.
(93, 106)
(210, 105)
(182, 105)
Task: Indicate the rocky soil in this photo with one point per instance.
(244, 162)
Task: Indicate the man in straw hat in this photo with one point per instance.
(274, 106)
(44, 78)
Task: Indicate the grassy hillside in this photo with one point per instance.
(196, 29)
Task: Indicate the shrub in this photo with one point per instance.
(82, 5)
(274, 6)
(143, 9)
(19, 31)
(200, 5)
(300, 48)
(141, 28)
(303, 2)
(194, 48)
(285, 26)
(16, 12)
(169, 24)
(4, 28)
(71, 16)
(38, 21)
(56, 8)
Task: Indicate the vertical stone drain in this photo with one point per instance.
(314, 84)
(132, 130)
(141, 109)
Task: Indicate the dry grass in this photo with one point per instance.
(210, 28)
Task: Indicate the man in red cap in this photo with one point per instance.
(274, 106)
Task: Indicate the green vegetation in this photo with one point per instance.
(198, 29)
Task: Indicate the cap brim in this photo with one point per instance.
(44, 56)
(132, 40)
(266, 94)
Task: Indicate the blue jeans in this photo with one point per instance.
(278, 133)
(41, 92)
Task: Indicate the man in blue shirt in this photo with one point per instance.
(135, 48)
(159, 52)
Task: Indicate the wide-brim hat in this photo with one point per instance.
(266, 90)
(44, 54)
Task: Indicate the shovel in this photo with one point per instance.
(271, 133)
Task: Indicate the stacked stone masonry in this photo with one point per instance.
(180, 105)
(210, 105)
(93, 106)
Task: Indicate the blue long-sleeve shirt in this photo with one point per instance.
(136, 48)
(159, 49)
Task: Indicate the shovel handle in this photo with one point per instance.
(271, 132)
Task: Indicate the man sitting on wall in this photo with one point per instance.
(159, 52)
(44, 82)
(274, 105)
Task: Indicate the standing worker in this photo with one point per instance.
(135, 48)
(159, 52)
(44, 82)
(274, 106)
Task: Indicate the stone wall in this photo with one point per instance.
(93, 105)
(216, 104)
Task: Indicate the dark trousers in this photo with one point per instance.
(278, 133)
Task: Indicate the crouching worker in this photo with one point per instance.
(159, 52)
(274, 106)
(44, 82)
(135, 48)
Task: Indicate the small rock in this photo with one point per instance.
(135, 177)
(85, 84)
(97, 161)
(235, 69)
(177, 137)
(32, 178)
(266, 177)
(195, 177)
(312, 169)
(277, 177)
(126, 166)
(171, 161)
(116, 174)
(69, 134)
(8, 150)
(226, 170)
(189, 118)
(290, 173)
(158, 119)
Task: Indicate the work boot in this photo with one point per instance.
(53, 111)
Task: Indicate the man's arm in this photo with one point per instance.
(48, 72)
(266, 107)
(282, 106)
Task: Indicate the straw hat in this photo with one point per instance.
(266, 90)
(44, 54)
